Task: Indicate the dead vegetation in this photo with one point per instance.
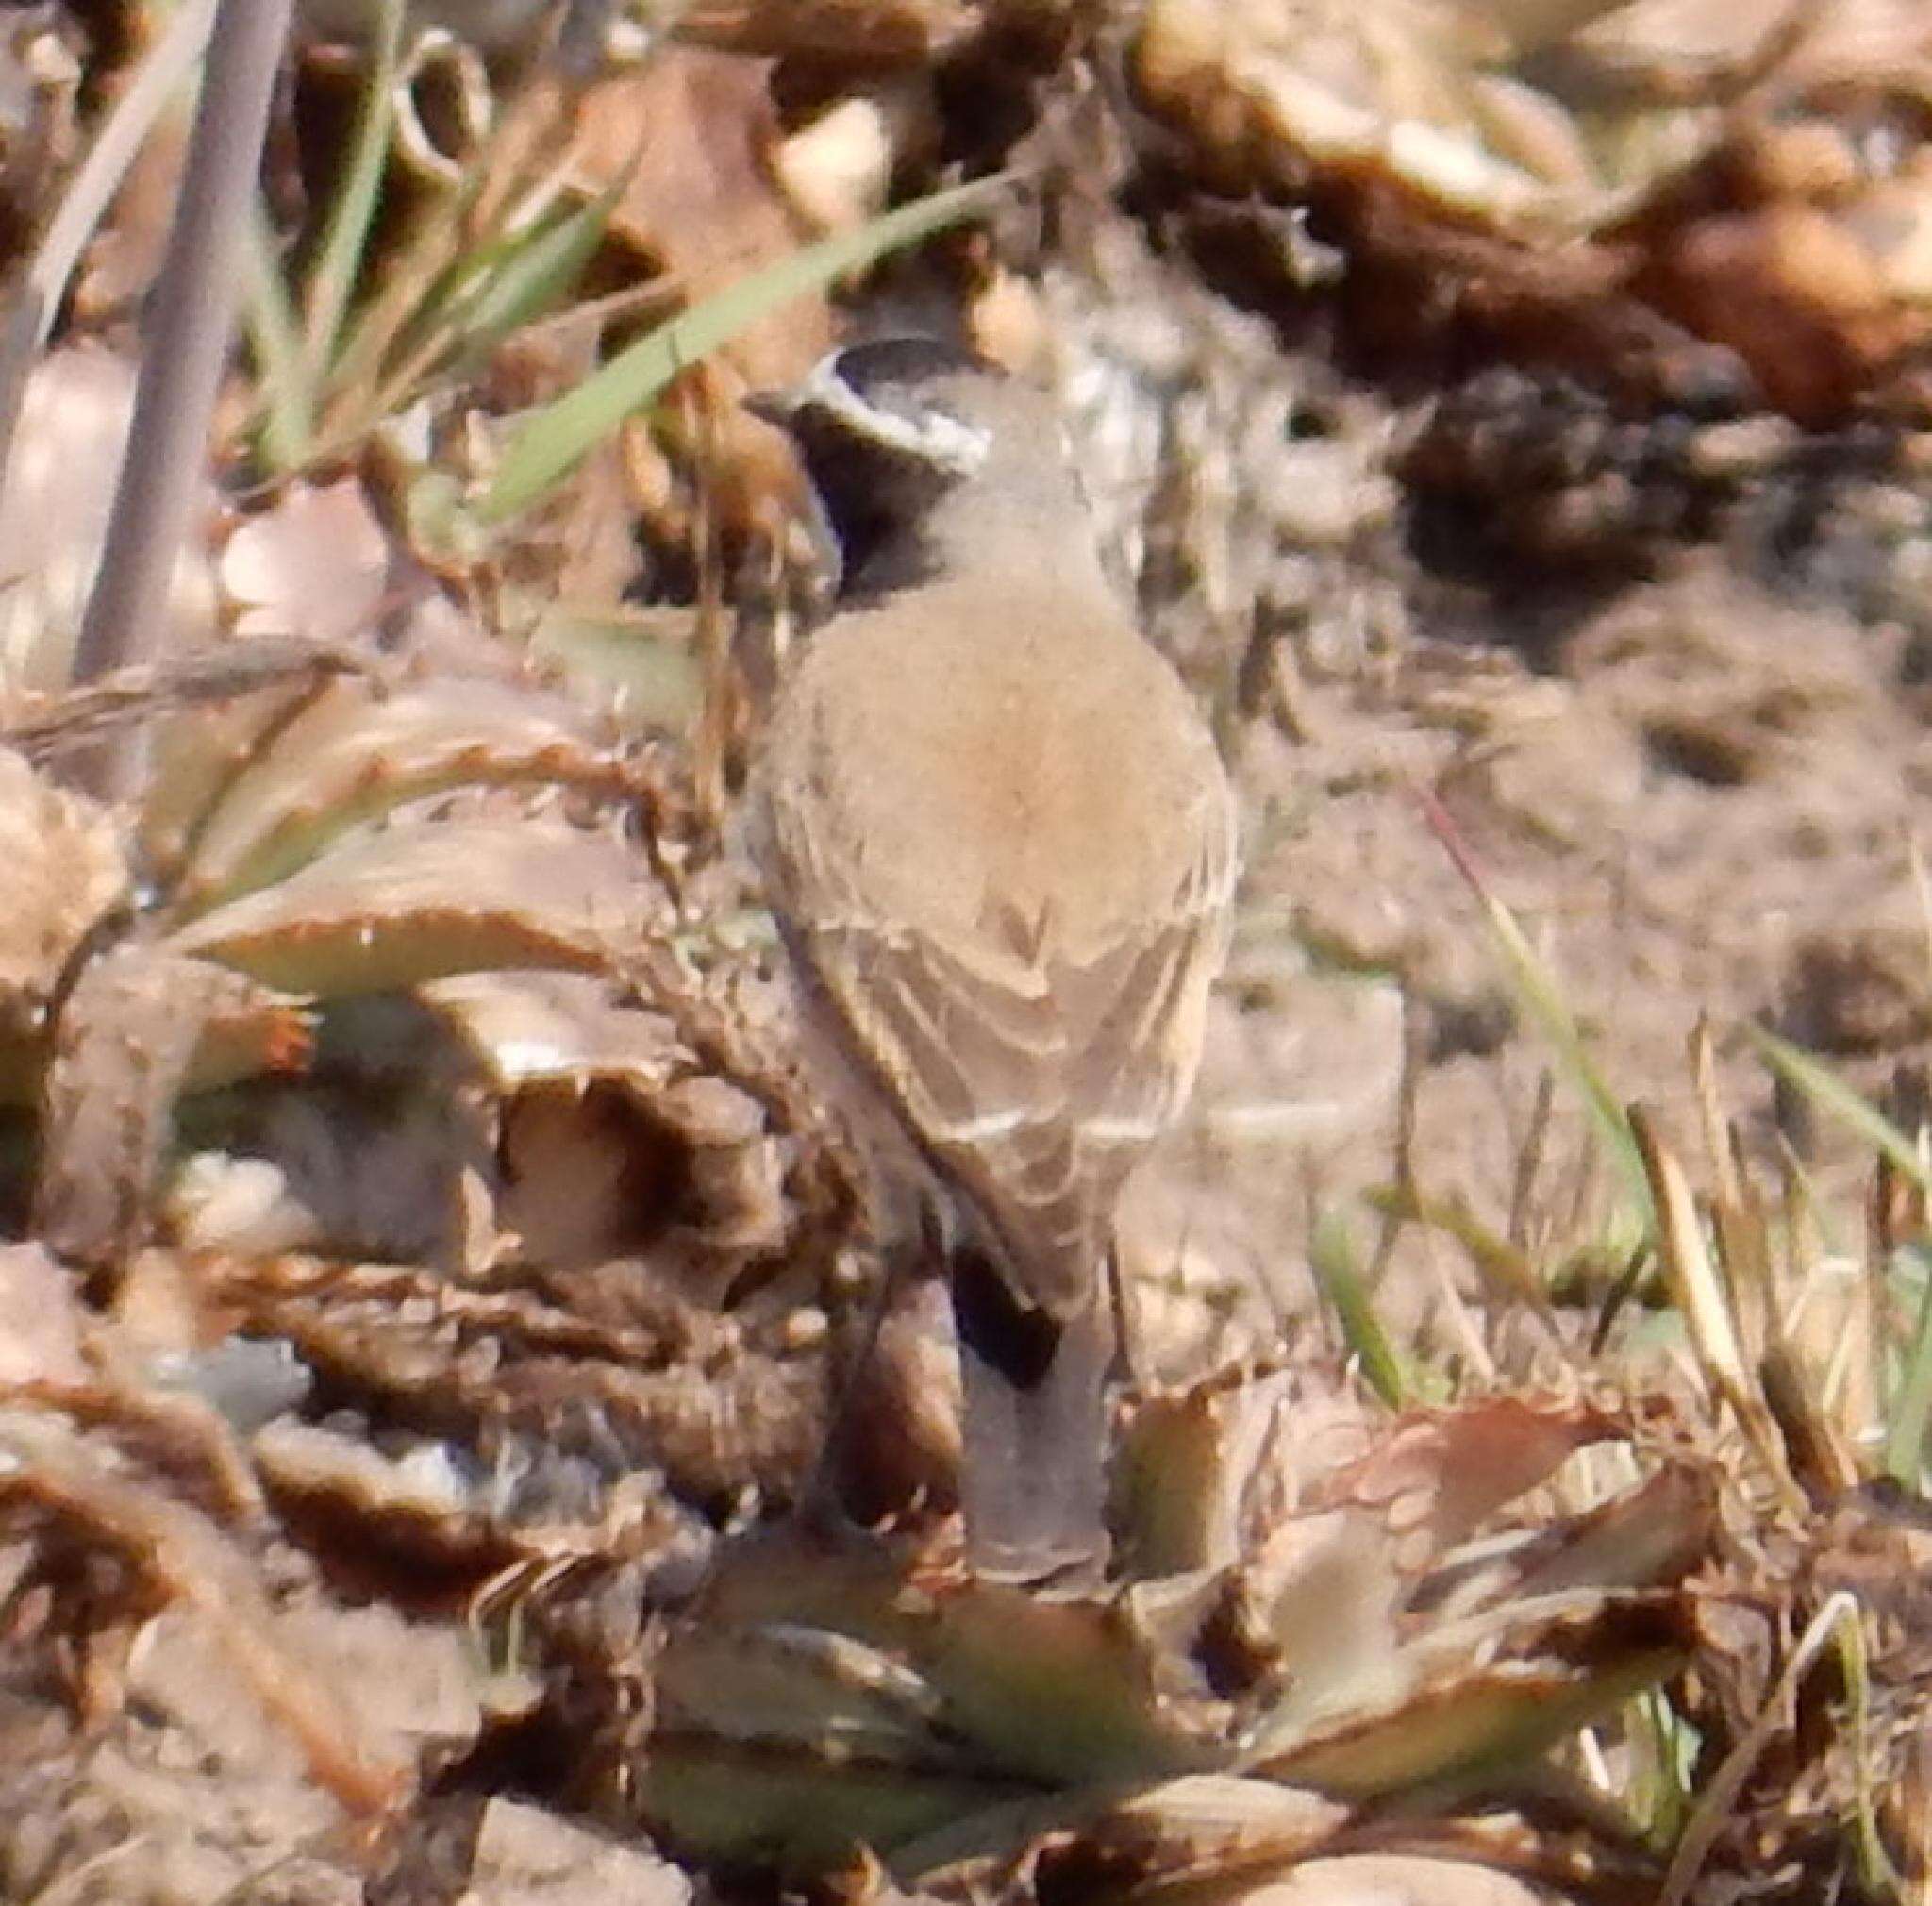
(426, 1276)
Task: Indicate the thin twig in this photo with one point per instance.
(82, 717)
(85, 201)
(187, 348)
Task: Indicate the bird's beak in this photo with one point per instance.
(776, 407)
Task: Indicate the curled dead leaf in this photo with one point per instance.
(316, 565)
(352, 753)
(411, 1523)
(1403, 91)
(65, 868)
(140, 1025)
(692, 136)
(1437, 1474)
(421, 900)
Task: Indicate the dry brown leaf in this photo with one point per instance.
(197, 754)
(801, 1654)
(65, 868)
(420, 900)
(589, 1175)
(614, 1374)
(47, 726)
(693, 136)
(614, 1136)
(409, 1524)
(139, 1026)
(736, 1173)
(843, 32)
(353, 753)
(1208, 1471)
(315, 564)
(695, 139)
(1208, 1837)
(592, 1166)
(557, 1028)
(1471, 1695)
(1436, 1475)
(1310, 1621)
(1409, 92)
(1658, 1532)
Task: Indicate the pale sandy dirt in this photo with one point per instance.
(1692, 766)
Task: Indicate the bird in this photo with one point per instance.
(1001, 848)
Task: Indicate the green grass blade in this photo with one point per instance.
(1830, 1094)
(1905, 1434)
(533, 277)
(353, 213)
(1666, 1754)
(469, 262)
(416, 281)
(1538, 991)
(1331, 1258)
(550, 445)
(274, 339)
(507, 283)
(38, 293)
(1880, 1879)
(1505, 1268)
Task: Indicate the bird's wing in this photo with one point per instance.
(1030, 1078)
(1140, 1005)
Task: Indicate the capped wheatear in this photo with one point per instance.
(1001, 849)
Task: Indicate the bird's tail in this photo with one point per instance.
(1033, 1482)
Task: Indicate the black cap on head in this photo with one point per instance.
(905, 361)
(881, 444)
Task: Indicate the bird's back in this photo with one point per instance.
(993, 765)
(1003, 846)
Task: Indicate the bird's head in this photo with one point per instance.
(923, 454)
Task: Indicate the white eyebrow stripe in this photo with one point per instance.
(933, 436)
